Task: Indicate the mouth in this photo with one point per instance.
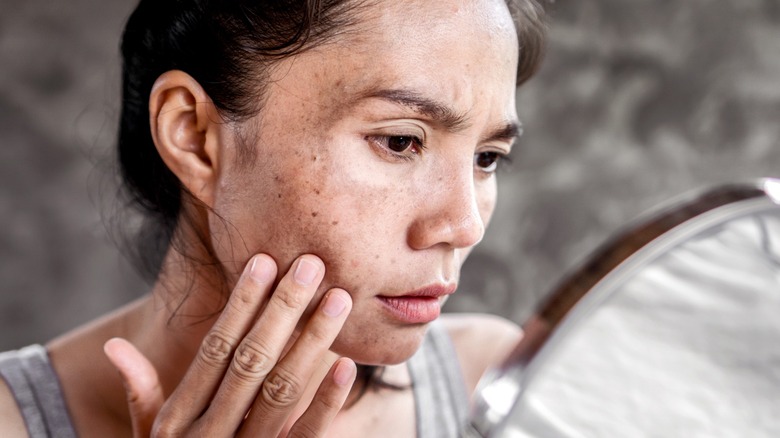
(420, 306)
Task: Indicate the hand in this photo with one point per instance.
(237, 385)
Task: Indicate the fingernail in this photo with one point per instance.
(261, 269)
(334, 305)
(306, 272)
(343, 373)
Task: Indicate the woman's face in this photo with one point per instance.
(377, 153)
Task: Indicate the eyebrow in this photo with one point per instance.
(509, 133)
(439, 113)
(443, 115)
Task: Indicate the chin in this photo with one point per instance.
(382, 347)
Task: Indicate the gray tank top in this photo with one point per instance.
(36, 388)
(440, 394)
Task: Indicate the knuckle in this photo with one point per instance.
(289, 300)
(251, 362)
(303, 430)
(329, 403)
(242, 298)
(280, 390)
(165, 429)
(322, 334)
(216, 348)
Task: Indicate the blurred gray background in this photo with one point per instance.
(638, 101)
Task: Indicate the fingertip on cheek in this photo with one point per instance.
(262, 269)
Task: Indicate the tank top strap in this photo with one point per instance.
(441, 398)
(37, 392)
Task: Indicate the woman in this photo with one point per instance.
(314, 174)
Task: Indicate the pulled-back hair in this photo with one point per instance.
(228, 46)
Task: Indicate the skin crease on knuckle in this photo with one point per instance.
(250, 361)
(325, 182)
(280, 390)
(216, 349)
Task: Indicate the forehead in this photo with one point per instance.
(459, 52)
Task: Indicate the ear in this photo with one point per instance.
(186, 129)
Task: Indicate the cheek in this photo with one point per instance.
(315, 203)
(486, 200)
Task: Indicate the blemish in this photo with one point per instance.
(334, 223)
(279, 196)
(314, 214)
(316, 191)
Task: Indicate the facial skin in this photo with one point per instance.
(325, 182)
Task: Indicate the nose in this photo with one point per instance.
(448, 215)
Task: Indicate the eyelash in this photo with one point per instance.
(500, 160)
(383, 143)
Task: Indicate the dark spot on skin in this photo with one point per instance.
(376, 257)
(314, 214)
(277, 178)
(279, 196)
(334, 223)
(316, 191)
(314, 158)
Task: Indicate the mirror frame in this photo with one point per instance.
(499, 390)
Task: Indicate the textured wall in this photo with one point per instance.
(637, 101)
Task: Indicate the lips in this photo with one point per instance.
(420, 306)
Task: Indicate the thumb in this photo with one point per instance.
(144, 393)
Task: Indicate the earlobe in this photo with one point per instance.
(185, 128)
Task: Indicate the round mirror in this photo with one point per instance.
(670, 329)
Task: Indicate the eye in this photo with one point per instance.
(488, 161)
(398, 146)
(401, 143)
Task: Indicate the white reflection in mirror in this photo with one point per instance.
(686, 346)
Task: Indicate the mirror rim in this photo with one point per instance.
(552, 312)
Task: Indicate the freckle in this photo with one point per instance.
(376, 257)
(334, 223)
(314, 214)
(279, 196)
(314, 158)
(277, 178)
(316, 191)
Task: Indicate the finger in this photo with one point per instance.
(144, 393)
(193, 395)
(327, 402)
(284, 385)
(260, 350)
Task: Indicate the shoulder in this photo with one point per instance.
(11, 421)
(481, 342)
